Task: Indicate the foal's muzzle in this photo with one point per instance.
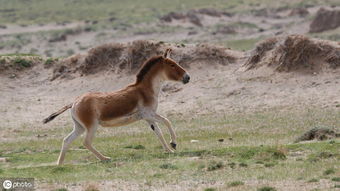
(186, 78)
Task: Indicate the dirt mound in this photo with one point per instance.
(318, 133)
(294, 53)
(129, 56)
(194, 15)
(299, 11)
(101, 57)
(325, 20)
(190, 16)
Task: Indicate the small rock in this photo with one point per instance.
(194, 141)
(39, 136)
(220, 140)
(3, 159)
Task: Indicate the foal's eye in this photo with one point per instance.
(172, 65)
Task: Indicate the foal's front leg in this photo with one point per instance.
(159, 134)
(167, 123)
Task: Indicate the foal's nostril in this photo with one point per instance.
(186, 78)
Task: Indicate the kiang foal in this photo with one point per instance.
(135, 102)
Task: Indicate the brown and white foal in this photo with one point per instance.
(135, 102)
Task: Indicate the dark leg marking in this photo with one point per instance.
(173, 145)
(152, 127)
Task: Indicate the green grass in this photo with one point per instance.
(209, 189)
(261, 149)
(61, 189)
(329, 171)
(235, 183)
(129, 11)
(313, 180)
(22, 62)
(266, 188)
(213, 165)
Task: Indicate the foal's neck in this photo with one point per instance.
(153, 83)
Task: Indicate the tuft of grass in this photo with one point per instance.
(22, 62)
(266, 188)
(242, 164)
(329, 171)
(235, 183)
(313, 180)
(209, 189)
(213, 165)
(278, 154)
(60, 169)
(232, 164)
(137, 147)
(61, 189)
(1, 171)
(270, 164)
(336, 179)
(168, 166)
(50, 61)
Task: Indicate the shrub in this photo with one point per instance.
(235, 183)
(266, 188)
(329, 171)
(22, 62)
(215, 165)
(168, 166)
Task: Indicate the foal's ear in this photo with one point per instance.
(167, 53)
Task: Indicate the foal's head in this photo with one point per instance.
(172, 70)
(165, 67)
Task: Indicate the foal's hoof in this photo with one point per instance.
(173, 145)
(170, 151)
(106, 159)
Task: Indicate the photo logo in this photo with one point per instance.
(22, 184)
(7, 184)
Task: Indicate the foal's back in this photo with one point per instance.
(106, 106)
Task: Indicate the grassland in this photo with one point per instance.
(256, 146)
(129, 11)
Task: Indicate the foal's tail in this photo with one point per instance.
(55, 114)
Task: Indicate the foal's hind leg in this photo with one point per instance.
(159, 134)
(88, 143)
(77, 130)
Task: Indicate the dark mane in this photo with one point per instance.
(147, 66)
